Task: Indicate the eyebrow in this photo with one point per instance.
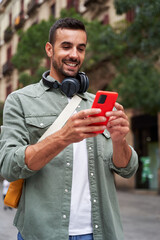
(69, 43)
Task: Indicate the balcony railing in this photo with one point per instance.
(19, 20)
(8, 33)
(33, 4)
(7, 68)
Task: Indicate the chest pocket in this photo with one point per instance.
(104, 145)
(37, 125)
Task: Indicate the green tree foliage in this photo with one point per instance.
(31, 47)
(138, 85)
(137, 80)
(142, 35)
(26, 79)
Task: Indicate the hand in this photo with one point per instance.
(78, 126)
(118, 124)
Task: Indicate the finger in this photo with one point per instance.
(118, 122)
(87, 131)
(118, 106)
(118, 128)
(94, 128)
(89, 121)
(111, 119)
(85, 113)
(117, 114)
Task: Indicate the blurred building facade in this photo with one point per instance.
(21, 14)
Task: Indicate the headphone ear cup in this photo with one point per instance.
(84, 82)
(70, 86)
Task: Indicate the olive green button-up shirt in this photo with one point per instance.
(44, 208)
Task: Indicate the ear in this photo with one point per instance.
(49, 49)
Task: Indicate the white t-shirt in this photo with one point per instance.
(80, 215)
(5, 186)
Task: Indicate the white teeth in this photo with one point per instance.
(71, 64)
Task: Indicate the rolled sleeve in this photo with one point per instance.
(14, 140)
(20, 166)
(130, 169)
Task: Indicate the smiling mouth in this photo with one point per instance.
(71, 64)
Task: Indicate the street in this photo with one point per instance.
(140, 212)
(7, 230)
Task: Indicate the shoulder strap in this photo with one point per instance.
(63, 117)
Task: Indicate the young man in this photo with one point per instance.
(69, 190)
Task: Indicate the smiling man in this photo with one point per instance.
(69, 191)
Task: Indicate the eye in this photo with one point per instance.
(66, 47)
(81, 49)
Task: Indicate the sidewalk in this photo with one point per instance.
(7, 230)
(140, 212)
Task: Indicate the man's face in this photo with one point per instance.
(68, 53)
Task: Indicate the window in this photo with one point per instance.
(106, 19)
(9, 53)
(130, 15)
(10, 19)
(53, 10)
(22, 5)
(8, 67)
(73, 4)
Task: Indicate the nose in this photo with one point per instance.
(73, 53)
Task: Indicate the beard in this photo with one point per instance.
(60, 68)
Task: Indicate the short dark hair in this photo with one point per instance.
(67, 23)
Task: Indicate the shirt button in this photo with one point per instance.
(96, 226)
(41, 124)
(94, 201)
(92, 174)
(66, 190)
(90, 148)
(68, 164)
(64, 216)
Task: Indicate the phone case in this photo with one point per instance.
(105, 101)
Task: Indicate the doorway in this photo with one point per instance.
(145, 130)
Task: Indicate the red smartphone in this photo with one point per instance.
(105, 101)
